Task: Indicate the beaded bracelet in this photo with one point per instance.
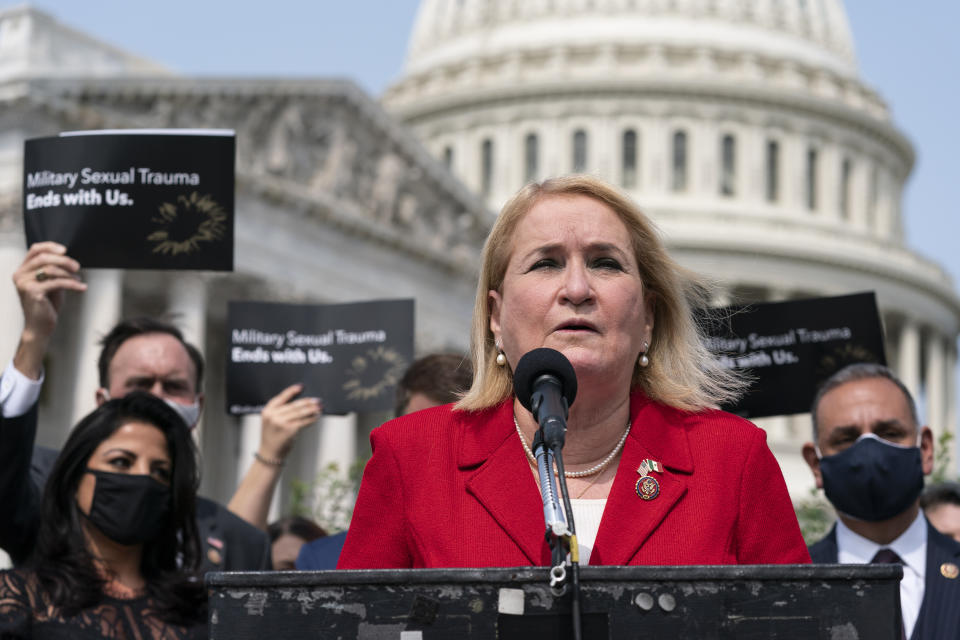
(268, 461)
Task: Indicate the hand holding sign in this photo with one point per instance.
(41, 280)
(282, 419)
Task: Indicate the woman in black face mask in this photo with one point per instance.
(117, 548)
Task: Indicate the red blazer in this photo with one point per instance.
(453, 489)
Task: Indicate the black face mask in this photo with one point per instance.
(873, 480)
(127, 508)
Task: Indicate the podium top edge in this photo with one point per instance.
(829, 572)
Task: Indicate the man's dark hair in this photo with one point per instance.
(855, 372)
(442, 377)
(64, 565)
(306, 530)
(139, 326)
(940, 494)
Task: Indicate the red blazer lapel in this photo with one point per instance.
(502, 481)
(656, 433)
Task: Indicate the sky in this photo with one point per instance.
(906, 51)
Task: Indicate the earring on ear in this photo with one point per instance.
(644, 360)
(501, 359)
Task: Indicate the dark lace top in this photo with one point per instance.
(26, 612)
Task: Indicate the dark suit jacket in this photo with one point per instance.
(228, 543)
(940, 611)
(454, 489)
(321, 554)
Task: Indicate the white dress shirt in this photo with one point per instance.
(17, 392)
(586, 518)
(911, 546)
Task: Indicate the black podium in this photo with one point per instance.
(759, 602)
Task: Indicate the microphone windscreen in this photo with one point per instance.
(537, 363)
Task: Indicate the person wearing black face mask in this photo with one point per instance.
(869, 454)
(117, 551)
(138, 353)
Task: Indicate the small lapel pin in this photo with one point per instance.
(648, 488)
(648, 466)
(214, 556)
(949, 570)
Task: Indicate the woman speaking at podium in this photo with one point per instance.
(657, 475)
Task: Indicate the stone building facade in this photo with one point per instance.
(741, 126)
(335, 202)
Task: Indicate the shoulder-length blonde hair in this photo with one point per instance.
(682, 371)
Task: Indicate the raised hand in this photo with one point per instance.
(41, 280)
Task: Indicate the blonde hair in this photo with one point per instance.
(682, 371)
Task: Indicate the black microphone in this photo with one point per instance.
(546, 385)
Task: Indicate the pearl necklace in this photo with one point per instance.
(597, 468)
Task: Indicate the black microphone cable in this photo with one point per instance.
(574, 548)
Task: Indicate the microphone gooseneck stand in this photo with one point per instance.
(546, 385)
(561, 531)
(574, 549)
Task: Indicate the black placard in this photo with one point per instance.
(789, 348)
(136, 199)
(349, 355)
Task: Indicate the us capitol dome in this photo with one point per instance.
(741, 126)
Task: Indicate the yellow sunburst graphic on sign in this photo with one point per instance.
(373, 373)
(842, 356)
(187, 223)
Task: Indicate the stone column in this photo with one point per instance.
(935, 378)
(187, 305)
(908, 356)
(301, 465)
(337, 443)
(950, 419)
(100, 309)
(11, 322)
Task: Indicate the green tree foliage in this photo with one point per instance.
(815, 516)
(329, 499)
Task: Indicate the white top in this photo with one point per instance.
(17, 392)
(586, 519)
(911, 546)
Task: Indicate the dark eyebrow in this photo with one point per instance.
(598, 246)
(893, 423)
(119, 450)
(844, 432)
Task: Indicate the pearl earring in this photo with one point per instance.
(501, 359)
(644, 360)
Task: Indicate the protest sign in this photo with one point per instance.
(349, 355)
(135, 199)
(787, 349)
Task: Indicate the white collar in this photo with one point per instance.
(911, 546)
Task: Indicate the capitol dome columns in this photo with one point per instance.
(101, 306)
(925, 362)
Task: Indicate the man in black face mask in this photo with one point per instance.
(869, 455)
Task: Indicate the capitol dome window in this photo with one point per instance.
(579, 151)
(846, 169)
(628, 177)
(486, 167)
(728, 165)
(679, 182)
(531, 151)
(773, 171)
(811, 179)
(448, 157)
